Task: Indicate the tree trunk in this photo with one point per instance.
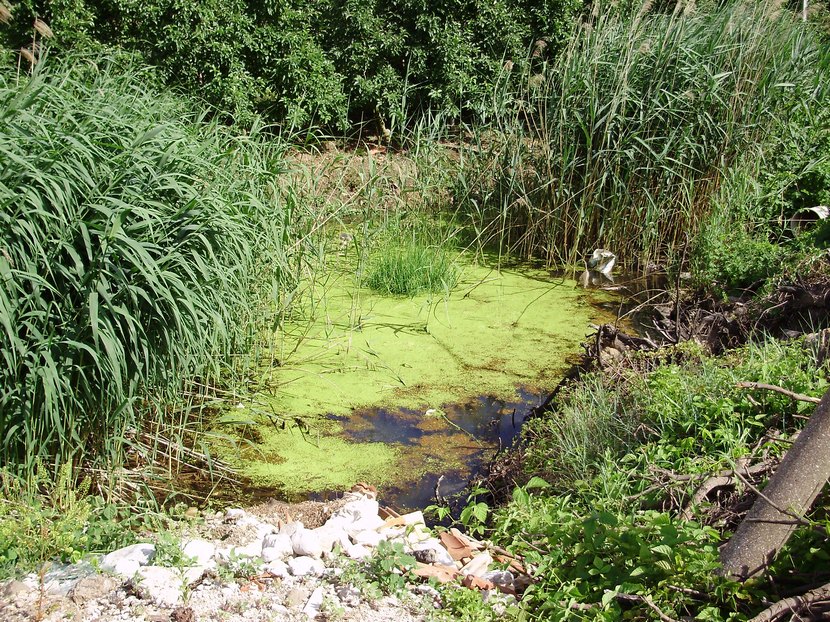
(789, 494)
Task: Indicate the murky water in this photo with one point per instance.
(449, 375)
(476, 430)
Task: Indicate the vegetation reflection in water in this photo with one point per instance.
(392, 388)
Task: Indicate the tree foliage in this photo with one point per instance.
(300, 62)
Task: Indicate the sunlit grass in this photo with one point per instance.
(138, 240)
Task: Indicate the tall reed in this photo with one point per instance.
(135, 242)
(622, 141)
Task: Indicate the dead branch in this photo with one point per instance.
(771, 387)
(793, 605)
(647, 600)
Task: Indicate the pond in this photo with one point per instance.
(396, 392)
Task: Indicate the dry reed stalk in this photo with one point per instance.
(43, 29)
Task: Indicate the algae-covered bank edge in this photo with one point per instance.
(495, 332)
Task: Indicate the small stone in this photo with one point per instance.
(200, 550)
(358, 551)
(348, 595)
(315, 602)
(304, 565)
(92, 588)
(295, 598)
(502, 578)
(426, 556)
(13, 588)
(278, 568)
(163, 585)
(427, 590)
(183, 614)
(306, 543)
(234, 514)
(442, 556)
(368, 538)
(126, 561)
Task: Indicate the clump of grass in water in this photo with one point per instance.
(410, 269)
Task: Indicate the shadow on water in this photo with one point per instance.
(473, 431)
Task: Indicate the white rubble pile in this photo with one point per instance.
(295, 577)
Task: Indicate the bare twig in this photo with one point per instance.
(793, 605)
(771, 387)
(647, 600)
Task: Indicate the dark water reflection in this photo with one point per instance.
(470, 434)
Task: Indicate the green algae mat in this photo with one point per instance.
(389, 388)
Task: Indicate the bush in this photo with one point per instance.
(733, 261)
(303, 62)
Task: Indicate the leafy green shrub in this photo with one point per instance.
(593, 535)
(301, 62)
(136, 240)
(729, 261)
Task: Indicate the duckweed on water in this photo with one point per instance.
(494, 332)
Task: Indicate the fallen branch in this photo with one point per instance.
(647, 600)
(793, 605)
(771, 387)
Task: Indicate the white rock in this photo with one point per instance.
(502, 578)
(201, 551)
(276, 546)
(393, 533)
(478, 565)
(278, 568)
(264, 529)
(413, 518)
(128, 560)
(60, 579)
(368, 538)
(357, 551)
(290, 529)
(329, 536)
(338, 522)
(315, 602)
(252, 549)
(305, 542)
(359, 509)
(442, 556)
(304, 565)
(164, 585)
(193, 574)
(369, 523)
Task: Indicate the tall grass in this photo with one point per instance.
(135, 241)
(624, 139)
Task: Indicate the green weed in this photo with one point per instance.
(138, 244)
(623, 142)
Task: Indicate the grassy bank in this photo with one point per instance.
(138, 245)
(608, 507)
